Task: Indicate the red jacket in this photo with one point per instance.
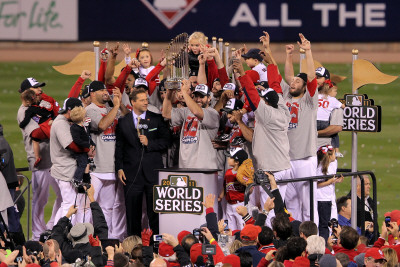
(350, 252)
(381, 242)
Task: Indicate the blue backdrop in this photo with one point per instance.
(235, 20)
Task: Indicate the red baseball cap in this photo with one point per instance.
(254, 76)
(250, 232)
(182, 234)
(394, 215)
(165, 250)
(232, 260)
(375, 253)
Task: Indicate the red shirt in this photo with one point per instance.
(349, 252)
(234, 190)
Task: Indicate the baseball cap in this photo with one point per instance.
(232, 259)
(232, 104)
(85, 92)
(141, 81)
(195, 252)
(182, 234)
(165, 250)
(229, 86)
(327, 261)
(69, 104)
(254, 76)
(216, 80)
(202, 89)
(322, 72)
(394, 215)
(253, 53)
(250, 232)
(303, 76)
(263, 84)
(96, 86)
(270, 96)
(239, 155)
(375, 253)
(29, 83)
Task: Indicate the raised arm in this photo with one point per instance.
(265, 40)
(248, 86)
(109, 75)
(190, 103)
(75, 90)
(167, 105)
(201, 76)
(289, 72)
(306, 45)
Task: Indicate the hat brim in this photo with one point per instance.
(38, 85)
(200, 93)
(227, 109)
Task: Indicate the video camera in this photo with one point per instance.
(80, 185)
(261, 179)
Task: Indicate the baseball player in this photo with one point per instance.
(108, 191)
(41, 177)
(302, 99)
(270, 140)
(64, 165)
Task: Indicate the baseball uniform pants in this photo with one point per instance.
(235, 221)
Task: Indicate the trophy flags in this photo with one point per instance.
(334, 78)
(365, 72)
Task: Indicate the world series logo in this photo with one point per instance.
(178, 194)
(170, 12)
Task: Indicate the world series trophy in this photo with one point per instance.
(177, 61)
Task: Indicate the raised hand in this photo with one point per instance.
(86, 74)
(289, 49)
(305, 44)
(209, 201)
(127, 49)
(265, 40)
(114, 50)
(241, 210)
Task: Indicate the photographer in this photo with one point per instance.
(79, 240)
(346, 243)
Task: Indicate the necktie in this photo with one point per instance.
(137, 126)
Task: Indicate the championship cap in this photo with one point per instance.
(232, 104)
(29, 83)
(96, 86)
(253, 53)
(229, 86)
(240, 155)
(69, 104)
(322, 72)
(85, 92)
(264, 84)
(165, 250)
(141, 82)
(202, 89)
(270, 96)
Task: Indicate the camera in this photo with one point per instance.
(261, 178)
(207, 249)
(226, 226)
(333, 223)
(157, 238)
(334, 240)
(387, 221)
(197, 233)
(80, 185)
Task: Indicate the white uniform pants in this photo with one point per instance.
(298, 194)
(69, 198)
(235, 221)
(41, 180)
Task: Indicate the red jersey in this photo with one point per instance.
(233, 189)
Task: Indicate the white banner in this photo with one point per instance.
(39, 20)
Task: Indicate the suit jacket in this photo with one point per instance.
(128, 150)
(361, 208)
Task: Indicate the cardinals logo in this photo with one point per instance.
(170, 12)
(294, 114)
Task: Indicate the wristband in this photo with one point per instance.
(395, 238)
(212, 240)
(265, 212)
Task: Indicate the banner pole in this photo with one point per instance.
(233, 50)
(220, 43)
(96, 49)
(214, 42)
(226, 56)
(302, 56)
(354, 155)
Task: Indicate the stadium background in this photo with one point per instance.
(35, 35)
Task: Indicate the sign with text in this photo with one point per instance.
(360, 114)
(178, 194)
(238, 21)
(34, 20)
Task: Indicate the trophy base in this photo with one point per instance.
(173, 84)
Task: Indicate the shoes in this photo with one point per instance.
(339, 155)
(37, 162)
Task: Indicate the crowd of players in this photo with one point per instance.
(100, 152)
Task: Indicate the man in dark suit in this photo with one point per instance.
(368, 204)
(142, 136)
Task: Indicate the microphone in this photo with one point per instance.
(142, 127)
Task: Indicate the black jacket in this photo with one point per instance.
(128, 149)
(7, 166)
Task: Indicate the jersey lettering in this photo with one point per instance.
(109, 133)
(294, 114)
(323, 103)
(190, 130)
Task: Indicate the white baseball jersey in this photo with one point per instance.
(336, 119)
(326, 104)
(262, 71)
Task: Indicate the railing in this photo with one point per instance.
(27, 188)
(345, 173)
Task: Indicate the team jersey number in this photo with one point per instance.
(323, 103)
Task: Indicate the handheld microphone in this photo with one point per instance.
(142, 127)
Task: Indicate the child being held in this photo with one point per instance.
(254, 61)
(41, 115)
(196, 41)
(325, 193)
(81, 137)
(234, 188)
